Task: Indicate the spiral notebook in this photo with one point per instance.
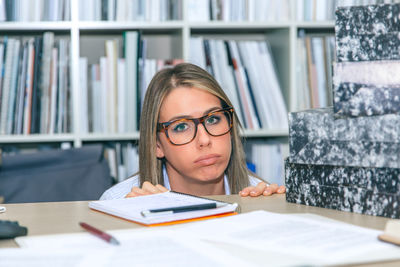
(132, 209)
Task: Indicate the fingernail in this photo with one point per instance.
(253, 192)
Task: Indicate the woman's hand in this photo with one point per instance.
(262, 189)
(147, 189)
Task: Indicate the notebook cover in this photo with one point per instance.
(174, 222)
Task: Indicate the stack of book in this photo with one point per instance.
(324, 10)
(246, 72)
(123, 160)
(265, 159)
(321, 10)
(238, 10)
(130, 10)
(341, 157)
(34, 85)
(35, 10)
(316, 54)
(112, 91)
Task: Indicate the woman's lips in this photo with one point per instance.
(207, 160)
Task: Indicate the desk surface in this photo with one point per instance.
(63, 217)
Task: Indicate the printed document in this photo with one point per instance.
(256, 238)
(307, 240)
(138, 247)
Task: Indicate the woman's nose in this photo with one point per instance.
(203, 138)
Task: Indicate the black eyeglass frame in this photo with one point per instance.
(163, 126)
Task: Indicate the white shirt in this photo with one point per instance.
(121, 189)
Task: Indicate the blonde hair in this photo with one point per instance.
(184, 75)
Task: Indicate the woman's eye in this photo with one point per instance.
(214, 119)
(180, 127)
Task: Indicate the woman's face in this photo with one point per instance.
(204, 159)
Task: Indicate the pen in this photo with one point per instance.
(171, 210)
(103, 235)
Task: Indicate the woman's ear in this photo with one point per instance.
(159, 150)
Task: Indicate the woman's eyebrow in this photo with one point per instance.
(190, 117)
(211, 110)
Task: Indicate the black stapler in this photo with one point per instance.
(11, 229)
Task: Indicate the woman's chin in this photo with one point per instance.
(210, 176)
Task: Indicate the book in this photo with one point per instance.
(104, 91)
(112, 85)
(131, 53)
(45, 82)
(316, 56)
(391, 233)
(277, 102)
(131, 208)
(131, 159)
(302, 96)
(83, 66)
(28, 88)
(250, 56)
(5, 94)
(121, 96)
(121, 169)
(312, 71)
(53, 91)
(19, 104)
(237, 10)
(63, 85)
(3, 47)
(96, 97)
(3, 16)
(36, 94)
(267, 158)
(34, 10)
(197, 53)
(13, 87)
(248, 106)
(318, 53)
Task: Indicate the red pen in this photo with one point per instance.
(103, 235)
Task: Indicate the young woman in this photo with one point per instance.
(189, 140)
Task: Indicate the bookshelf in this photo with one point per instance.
(84, 35)
(167, 39)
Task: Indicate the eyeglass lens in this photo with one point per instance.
(183, 131)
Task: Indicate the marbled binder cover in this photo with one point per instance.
(354, 99)
(365, 33)
(372, 191)
(368, 40)
(316, 136)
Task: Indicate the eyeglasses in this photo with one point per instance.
(183, 131)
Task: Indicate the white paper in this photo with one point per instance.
(256, 238)
(22, 257)
(139, 247)
(308, 240)
(131, 208)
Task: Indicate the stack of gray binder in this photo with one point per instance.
(348, 157)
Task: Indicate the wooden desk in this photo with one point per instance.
(63, 217)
